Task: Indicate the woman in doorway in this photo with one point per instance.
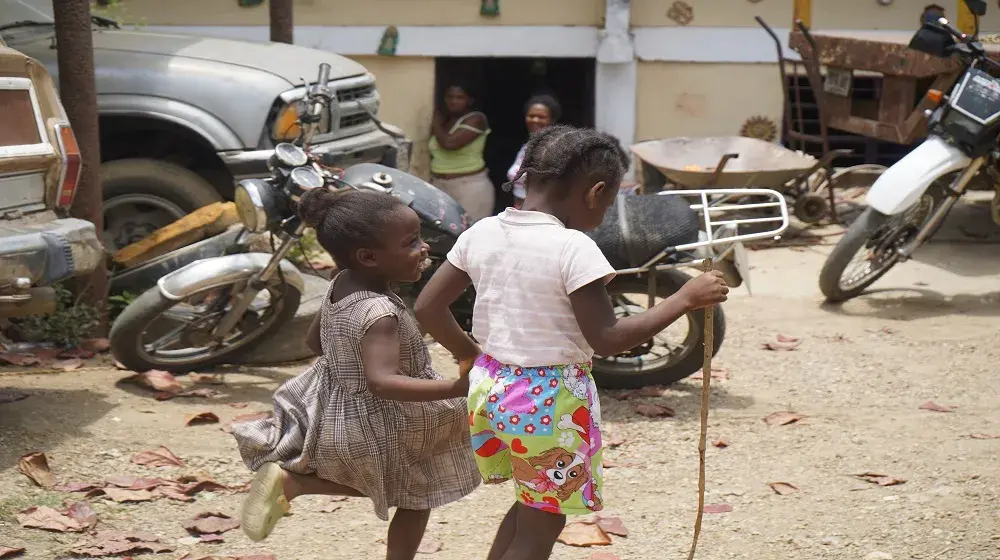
(458, 137)
(539, 112)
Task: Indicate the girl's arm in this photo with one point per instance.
(313, 339)
(380, 354)
(609, 335)
(471, 129)
(433, 313)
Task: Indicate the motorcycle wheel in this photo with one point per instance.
(648, 364)
(868, 249)
(181, 329)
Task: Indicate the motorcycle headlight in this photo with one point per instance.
(256, 204)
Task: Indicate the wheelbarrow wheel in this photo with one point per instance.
(811, 207)
(673, 354)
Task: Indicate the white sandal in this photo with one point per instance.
(266, 502)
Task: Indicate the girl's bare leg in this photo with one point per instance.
(535, 535)
(505, 534)
(405, 533)
(296, 485)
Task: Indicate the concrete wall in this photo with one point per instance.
(686, 99)
(407, 89)
(372, 12)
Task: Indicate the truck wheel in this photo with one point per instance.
(143, 195)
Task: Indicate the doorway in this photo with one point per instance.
(501, 87)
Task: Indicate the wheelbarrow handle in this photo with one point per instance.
(805, 32)
(723, 162)
(777, 41)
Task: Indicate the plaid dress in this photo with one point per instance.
(326, 422)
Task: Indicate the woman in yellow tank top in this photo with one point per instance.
(458, 137)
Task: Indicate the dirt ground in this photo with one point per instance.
(859, 377)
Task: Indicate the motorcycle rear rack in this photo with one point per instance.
(716, 243)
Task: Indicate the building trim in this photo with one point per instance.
(663, 44)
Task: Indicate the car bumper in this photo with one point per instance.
(41, 253)
(371, 147)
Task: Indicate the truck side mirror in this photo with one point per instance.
(977, 7)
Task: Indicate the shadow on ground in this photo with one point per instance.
(909, 304)
(47, 418)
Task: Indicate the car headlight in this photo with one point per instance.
(285, 126)
(256, 204)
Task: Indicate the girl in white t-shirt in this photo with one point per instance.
(541, 311)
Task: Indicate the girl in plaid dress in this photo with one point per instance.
(370, 418)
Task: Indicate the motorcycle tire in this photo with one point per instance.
(126, 333)
(612, 375)
(856, 236)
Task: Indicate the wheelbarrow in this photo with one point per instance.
(736, 162)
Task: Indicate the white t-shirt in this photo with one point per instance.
(524, 265)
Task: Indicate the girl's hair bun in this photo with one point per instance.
(315, 203)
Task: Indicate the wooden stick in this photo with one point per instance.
(706, 383)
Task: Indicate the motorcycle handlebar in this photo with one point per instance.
(324, 74)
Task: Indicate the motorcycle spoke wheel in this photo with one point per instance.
(663, 351)
(164, 341)
(881, 252)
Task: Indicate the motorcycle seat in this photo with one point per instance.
(653, 223)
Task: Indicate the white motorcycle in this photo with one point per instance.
(908, 203)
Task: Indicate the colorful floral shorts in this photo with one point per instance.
(539, 426)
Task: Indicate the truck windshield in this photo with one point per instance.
(14, 11)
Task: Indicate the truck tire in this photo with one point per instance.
(171, 190)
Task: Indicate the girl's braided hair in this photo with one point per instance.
(347, 219)
(560, 154)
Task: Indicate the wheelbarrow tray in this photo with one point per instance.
(691, 162)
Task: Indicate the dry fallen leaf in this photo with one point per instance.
(204, 417)
(935, 407)
(654, 410)
(206, 378)
(159, 381)
(116, 543)
(721, 443)
(611, 524)
(782, 418)
(122, 495)
(160, 457)
(134, 483)
(880, 479)
(10, 552)
(76, 519)
(787, 339)
(604, 556)
(211, 538)
(16, 359)
(77, 486)
(239, 404)
(608, 463)
(211, 522)
(783, 488)
(584, 533)
(717, 508)
(35, 466)
(652, 391)
(173, 492)
(718, 374)
(985, 436)
(613, 440)
(780, 346)
(67, 365)
(191, 485)
(430, 546)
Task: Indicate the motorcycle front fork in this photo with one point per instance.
(242, 300)
(953, 193)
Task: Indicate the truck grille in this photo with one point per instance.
(354, 120)
(355, 93)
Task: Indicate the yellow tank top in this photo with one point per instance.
(467, 159)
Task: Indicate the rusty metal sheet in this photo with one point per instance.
(860, 51)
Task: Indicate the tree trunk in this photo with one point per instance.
(79, 96)
(281, 21)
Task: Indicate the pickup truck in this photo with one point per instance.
(182, 117)
(39, 171)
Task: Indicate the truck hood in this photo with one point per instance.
(289, 62)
